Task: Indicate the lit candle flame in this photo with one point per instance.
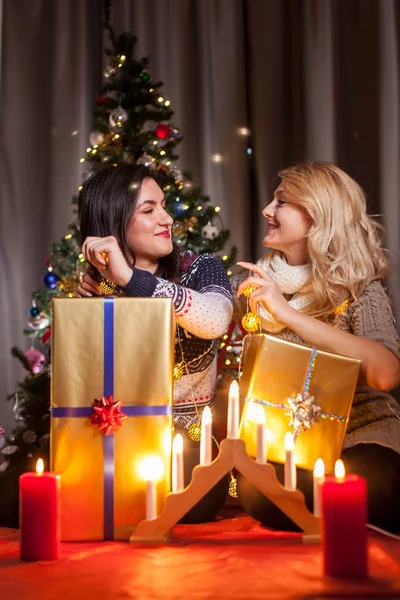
(206, 416)
(289, 441)
(39, 467)
(259, 414)
(339, 470)
(234, 388)
(177, 444)
(151, 468)
(251, 411)
(319, 469)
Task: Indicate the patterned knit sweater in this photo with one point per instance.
(203, 311)
(375, 415)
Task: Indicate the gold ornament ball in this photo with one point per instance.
(249, 289)
(107, 288)
(232, 491)
(194, 432)
(178, 371)
(251, 322)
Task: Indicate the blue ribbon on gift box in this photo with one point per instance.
(130, 411)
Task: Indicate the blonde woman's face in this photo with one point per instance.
(287, 227)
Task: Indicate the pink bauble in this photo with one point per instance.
(35, 359)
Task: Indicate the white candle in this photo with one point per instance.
(233, 411)
(290, 463)
(151, 469)
(319, 476)
(151, 500)
(205, 440)
(261, 454)
(177, 463)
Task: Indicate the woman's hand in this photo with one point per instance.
(106, 256)
(88, 287)
(267, 293)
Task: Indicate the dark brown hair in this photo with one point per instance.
(106, 205)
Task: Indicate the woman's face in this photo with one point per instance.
(149, 231)
(287, 227)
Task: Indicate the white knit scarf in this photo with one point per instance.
(289, 280)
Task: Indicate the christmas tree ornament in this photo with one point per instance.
(34, 311)
(35, 359)
(162, 131)
(16, 412)
(179, 370)
(177, 230)
(174, 132)
(209, 231)
(248, 290)
(40, 322)
(177, 174)
(2, 438)
(145, 160)
(251, 322)
(232, 490)
(109, 71)
(194, 432)
(118, 117)
(192, 223)
(29, 437)
(8, 450)
(68, 284)
(107, 288)
(144, 76)
(178, 209)
(96, 138)
(50, 279)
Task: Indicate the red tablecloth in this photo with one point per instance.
(231, 558)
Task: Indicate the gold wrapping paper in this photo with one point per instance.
(144, 331)
(274, 370)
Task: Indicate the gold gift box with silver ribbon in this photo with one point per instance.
(301, 390)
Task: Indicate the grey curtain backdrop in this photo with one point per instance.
(315, 79)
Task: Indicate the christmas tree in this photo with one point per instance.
(132, 124)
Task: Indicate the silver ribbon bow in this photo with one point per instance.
(303, 412)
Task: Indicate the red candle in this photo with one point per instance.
(344, 524)
(39, 514)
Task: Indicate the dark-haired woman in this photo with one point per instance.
(126, 235)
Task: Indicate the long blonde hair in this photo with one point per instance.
(344, 242)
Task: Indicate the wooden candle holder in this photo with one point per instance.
(232, 454)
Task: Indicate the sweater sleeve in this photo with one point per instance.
(203, 305)
(373, 319)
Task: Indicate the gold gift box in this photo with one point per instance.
(275, 370)
(144, 331)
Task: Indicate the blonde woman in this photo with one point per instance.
(322, 285)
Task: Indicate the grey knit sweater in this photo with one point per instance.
(375, 416)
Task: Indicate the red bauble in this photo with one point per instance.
(46, 335)
(101, 100)
(162, 131)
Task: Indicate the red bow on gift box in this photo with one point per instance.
(107, 415)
